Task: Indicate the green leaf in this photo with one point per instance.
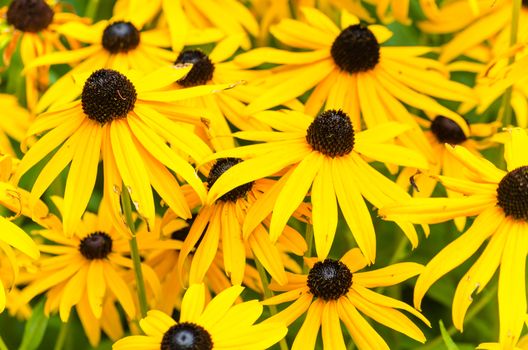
(35, 328)
(450, 344)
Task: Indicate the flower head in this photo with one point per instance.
(217, 325)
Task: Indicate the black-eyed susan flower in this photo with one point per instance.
(116, 120)
(221, 222)
(269, 12)
(33, 24)
(444, 130)
(225, 107)
(336, 290)
(16, 200)
(217, 325)
(231, 17)
(165, 261)
(500, 201)
(350, 70)
(388, 10)
(473, 22)
(87, 269)
(121, 43)
(325, 154)
(13, 237)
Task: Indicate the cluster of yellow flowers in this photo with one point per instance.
(235, 135)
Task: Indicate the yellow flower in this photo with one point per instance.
(226, 106)
(222, 222)
(86, 269)
(121, 43)
(349, 70)
(500, 201)
(34, 25)
(218, 325)
(399, 9)
(229, 16)
(116, 119)
(334, 291)
(473, 22)
(325, 154)
(165, 261)
(11, 236)
(443, 130)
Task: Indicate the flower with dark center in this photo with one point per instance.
(221, 167)
(329, 279)
(447, 130)
(356, 49)
(29, 15)
(186, 336)
(202, 70)
(120, 37)
(96, 245)
(512, 193)
(331, 133)
(107, 95)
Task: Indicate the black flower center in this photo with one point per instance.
(96, 245)
(356, 49)
(329, 279)
(447, 130)
(29, 15)
(202, 70)
(107, 95)
(186, 336)
(331, 133)
(120, 37)
(512, 193)
(221, 167)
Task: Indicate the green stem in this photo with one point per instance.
(268, 294)
(309, 241)
(63, 334)
(91, 9)
(479, 305)
(2, 344)
(506, 115)
(134, 252)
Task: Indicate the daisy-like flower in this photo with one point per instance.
(33, 24)
(474, 23)
(334, 291)
(444, 130)
(269, 12)
(14, 124)
(116, 120)
(217, 325)
(324, 153)
(221, 222)
(16, 200)
(223, 107)
(387, 10)
(121, 43)
(230, 16)
(500, 201)
(164, 262)
(351, 71)
(88, 268)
